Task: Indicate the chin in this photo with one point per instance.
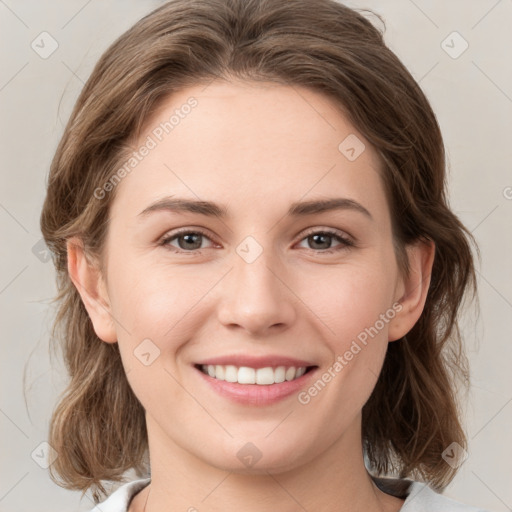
(258, 457)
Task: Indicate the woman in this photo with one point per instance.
(260, 277)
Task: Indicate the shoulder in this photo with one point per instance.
(119, 500)
(419, 497)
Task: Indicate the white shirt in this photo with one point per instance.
(419, 497)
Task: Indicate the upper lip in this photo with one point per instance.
(256, 361)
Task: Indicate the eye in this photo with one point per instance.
(324, 239)
(188, 240)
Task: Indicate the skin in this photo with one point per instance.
(254, 148)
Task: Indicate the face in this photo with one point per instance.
(261, 285)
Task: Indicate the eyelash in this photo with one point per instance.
(346, 243)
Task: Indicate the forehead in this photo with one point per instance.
(267, 142)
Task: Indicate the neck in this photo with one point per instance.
(336, 479)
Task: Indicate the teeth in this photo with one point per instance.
(279, 374)
(290, 373)
(245, 375)
(231, 374)
(265, 376)
(219, 370)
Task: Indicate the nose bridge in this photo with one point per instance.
(255, 298)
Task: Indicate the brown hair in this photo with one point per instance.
(98, 427)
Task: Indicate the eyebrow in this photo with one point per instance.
(211, 209)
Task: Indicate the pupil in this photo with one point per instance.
(315, 237)
(188, 241)
(192, 238)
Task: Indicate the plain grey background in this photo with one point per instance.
(470, 90)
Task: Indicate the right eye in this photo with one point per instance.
(188, 240)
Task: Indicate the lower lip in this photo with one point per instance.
(256, 394)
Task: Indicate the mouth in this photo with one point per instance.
(265, 376)
(255, 380)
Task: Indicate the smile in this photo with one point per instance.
(259, 376)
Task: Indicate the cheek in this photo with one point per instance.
(359, 301)
(160, 302)
(146, 295)
(352, 300)
(154, 314)
(357, 306)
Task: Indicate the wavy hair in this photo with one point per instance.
(98, 425)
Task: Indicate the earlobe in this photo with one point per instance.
(414, 289)
(87, 278)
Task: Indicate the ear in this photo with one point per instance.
(88, 280)
(412, 291)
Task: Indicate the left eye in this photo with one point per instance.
(319, 237)
(191, 241)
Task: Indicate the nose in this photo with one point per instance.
(256, 297)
